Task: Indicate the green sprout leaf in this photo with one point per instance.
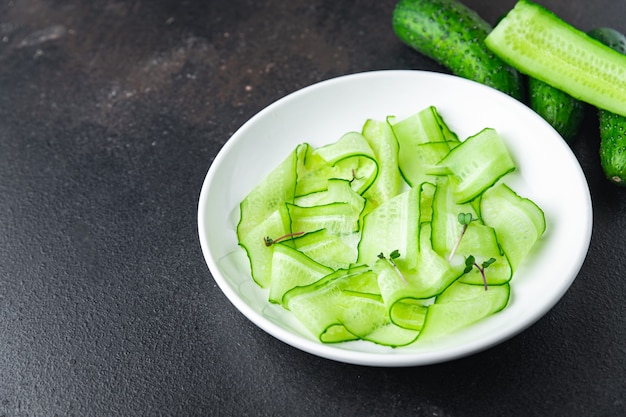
(465, 219)
(470, 263)
(392, 256)
(269, 241)
(488, 262)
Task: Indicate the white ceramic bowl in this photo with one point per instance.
(548, 173)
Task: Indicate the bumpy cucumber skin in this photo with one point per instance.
(562, 111)
(613, 146)
(610, 37)
(612, 126)
(453, 35)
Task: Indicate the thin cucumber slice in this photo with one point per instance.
(478, 163)
(338, 218)
(318, 313)
(426, 201)
(317, 198)
(336, 333)
(291, 268)
(537, 42)
(480, 241)
(349, 145)
(329, 249)
(427, 161)
(518, 221)
(316, 304)
(354, 159)
(392, 335)
(445, 219)
(361, 171)
(351, 268)
(338, 191)
(409, 313)
(273, 191)
(448, 134)
(362, 280)
(348, 279)
(394, 289)
(424, 127)
(259, 253)
(316, 167)
(312, 172)
(432, 273)
(341, 191)
(462, 305)
(392, 226)
(381, 140)
(334, 310)
(407, 292)
(361, 315)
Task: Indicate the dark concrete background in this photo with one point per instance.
(111, 113)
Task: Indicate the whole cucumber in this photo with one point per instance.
(562, 111)
(453, 35)
(612, 126)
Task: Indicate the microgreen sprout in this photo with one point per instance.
(470, 262)
(269, 241)
(392, 257)
(354, 177)
(465, 219)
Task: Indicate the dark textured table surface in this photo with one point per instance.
(111, 113)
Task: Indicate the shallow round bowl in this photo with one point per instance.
(548, 173)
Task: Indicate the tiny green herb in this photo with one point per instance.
(465, 219)
(470, 262)
(269, 241)
(392, 256)
(354, 177)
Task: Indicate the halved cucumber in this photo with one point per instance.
(453, 35)
(537, 42)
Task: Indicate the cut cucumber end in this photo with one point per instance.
(538, 43)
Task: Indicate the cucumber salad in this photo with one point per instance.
(398, 234)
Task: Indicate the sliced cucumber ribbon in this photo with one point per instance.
(390, 235)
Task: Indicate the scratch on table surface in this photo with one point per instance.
(43, 35)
